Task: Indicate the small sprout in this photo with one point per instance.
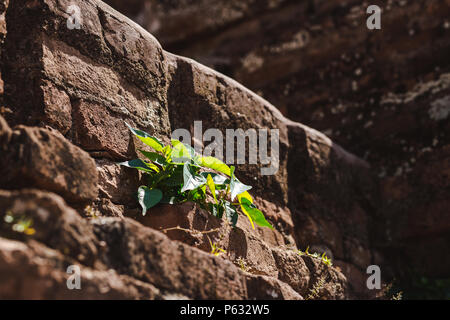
(314, 292)
(398, 296)
(29, 231)
(20, 225)
(242, 264)
(91, 212)
(326, 260)
(316, 255)
(215, 250)
(389, 293)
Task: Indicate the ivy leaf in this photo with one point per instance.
(167, 150)
(211, 186)
(147, 139)
(191, 180)
(254, 214)
(231, 213)
(182, 153)
(140, 165)
(248, 216)
(213, 163)
(198, 194)
(217, 178)
(148, 198)
(237, 187)
(245, 195)
(155, 157)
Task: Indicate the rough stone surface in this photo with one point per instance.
(139, 262)
(91, 67)
(114, 179)
(265, 288)
(41, 158)
(56, 225)
(33, 271)
(292, 270)
(5, 134)
(200, 228)
(3, 6)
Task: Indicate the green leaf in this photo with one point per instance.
(254, 214)
(211, 186)
(139, 165)
(217, 178)
(155, 157)
(147, 139)
(191, 180)
(197, 195)
(237, 187)
(174, 178)
(155, 178)
(231, 213)
(244, 210)
(213, 163)
(148, 198)
(167, 150)
(182, 153)
(245, 195)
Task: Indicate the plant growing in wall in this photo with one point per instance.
(176, 174)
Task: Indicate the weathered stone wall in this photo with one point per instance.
(381, 94)
(67, 95)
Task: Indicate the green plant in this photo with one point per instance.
(397, 296)
(177, 174)
(20, 224)
(314, 292)
(390, 292)
(91, 213)
(242, 264)
(215, 250)
(315, 255)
